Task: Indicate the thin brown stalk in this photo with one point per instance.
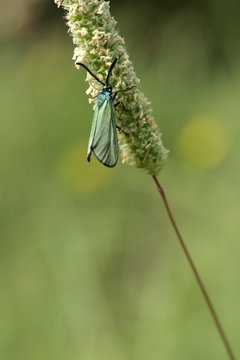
(199, 281)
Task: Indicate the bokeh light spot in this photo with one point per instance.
(204, 141)
(80, 175)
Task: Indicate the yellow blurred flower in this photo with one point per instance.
(204, 141)
(80, 175)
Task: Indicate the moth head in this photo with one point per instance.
(108, 88)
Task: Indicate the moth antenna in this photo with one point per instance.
(91, 73)
(110, 71)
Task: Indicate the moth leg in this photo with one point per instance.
(130, 88)
(121, 130)
(120, 102)
(89, 155)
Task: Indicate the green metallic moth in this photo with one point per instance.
(103, 141)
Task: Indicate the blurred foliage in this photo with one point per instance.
(90, 268)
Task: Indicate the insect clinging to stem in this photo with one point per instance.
(103, 140)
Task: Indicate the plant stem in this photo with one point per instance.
(195, 272)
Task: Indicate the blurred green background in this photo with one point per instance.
(89, 265)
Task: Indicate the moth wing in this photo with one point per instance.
(103, 141)
(92, 132)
